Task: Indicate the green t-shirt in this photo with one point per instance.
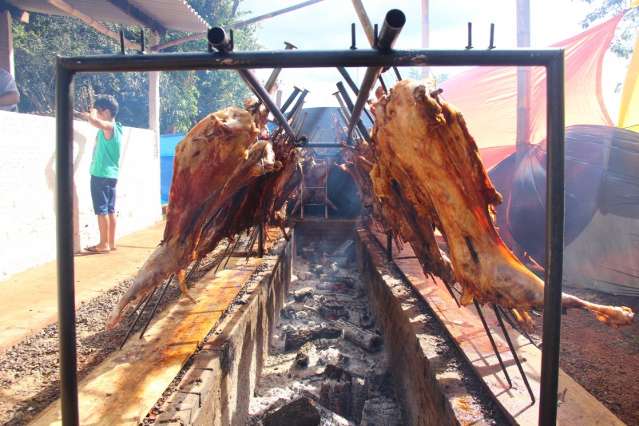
(106, 154)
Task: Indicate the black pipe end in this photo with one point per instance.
(301, 141)
(395, 18)
(218, 38)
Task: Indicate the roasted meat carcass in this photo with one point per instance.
(428, 171)
(224, 182)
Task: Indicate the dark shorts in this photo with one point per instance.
(103, 194)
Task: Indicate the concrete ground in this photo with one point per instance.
(28, 300)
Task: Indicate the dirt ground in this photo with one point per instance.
(602, 359)
(29, 371)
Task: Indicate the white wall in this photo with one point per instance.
(27, 185)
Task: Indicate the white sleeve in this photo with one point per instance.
(7, 83)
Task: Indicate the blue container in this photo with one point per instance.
(167, 155)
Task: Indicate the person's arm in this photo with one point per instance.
(9, 94)
(106, 126)
(9, 98)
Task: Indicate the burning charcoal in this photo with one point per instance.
(343, 249)
(330, 418)
(331, 355)
(302, 294)
(336, 396)
(295, 338)
(380, 383)
(363, 338)
(301, 315)
(366, 321)
(301, 359)
(347, 281)
(288, 311)
(334, 372)
(302, 410)
(333, 286)
(305, 275)
(359, 390)
(381, 411)
(331, 311)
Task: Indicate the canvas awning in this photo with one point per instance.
(488, 95)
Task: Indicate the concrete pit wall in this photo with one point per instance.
(432, 384)
(220, 378)
(27, 185)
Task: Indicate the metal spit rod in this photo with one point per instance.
(291, 98)
(350, 108)
(349, 80)
(393, 24)
(270, 83)
(223, 44)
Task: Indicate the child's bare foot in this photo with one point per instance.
(97, 249)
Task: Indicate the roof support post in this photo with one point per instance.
(154, 100)
(6, 42)
(64, 231)
(142, 18)
(523, 80)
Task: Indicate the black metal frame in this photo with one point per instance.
(551, 59)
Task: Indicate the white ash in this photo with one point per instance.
(325, 284)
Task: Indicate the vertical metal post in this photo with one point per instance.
(425, 26)
(554, 240)
(326, 168)
(389, 246)
(64, 229)
(523, 79)
(302, 194)
(260, 240)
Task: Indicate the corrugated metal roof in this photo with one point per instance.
(173, 15)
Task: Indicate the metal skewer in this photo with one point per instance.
(492, 343)
(514, 352)
(157, 303)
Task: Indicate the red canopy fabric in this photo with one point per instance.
(487, 96)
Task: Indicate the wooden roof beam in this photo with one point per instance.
(143, 19)
(98, 26)
(239, 24)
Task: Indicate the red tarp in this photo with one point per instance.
(487, 96)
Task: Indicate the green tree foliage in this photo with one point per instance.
(186, 97)
(215, 89)
(622, 44)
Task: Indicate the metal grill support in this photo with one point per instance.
(551, 59)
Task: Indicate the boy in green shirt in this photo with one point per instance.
(105, 168)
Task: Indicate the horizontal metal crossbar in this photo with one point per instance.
(308, 59)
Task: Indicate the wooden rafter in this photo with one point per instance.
(142, 17)
(236, 4)
(365, 20)
(273, 14)
(98, 26)
(236, 25)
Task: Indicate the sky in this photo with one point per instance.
(326, 25)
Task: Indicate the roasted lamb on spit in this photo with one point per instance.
(225, 181)
(425, 173)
